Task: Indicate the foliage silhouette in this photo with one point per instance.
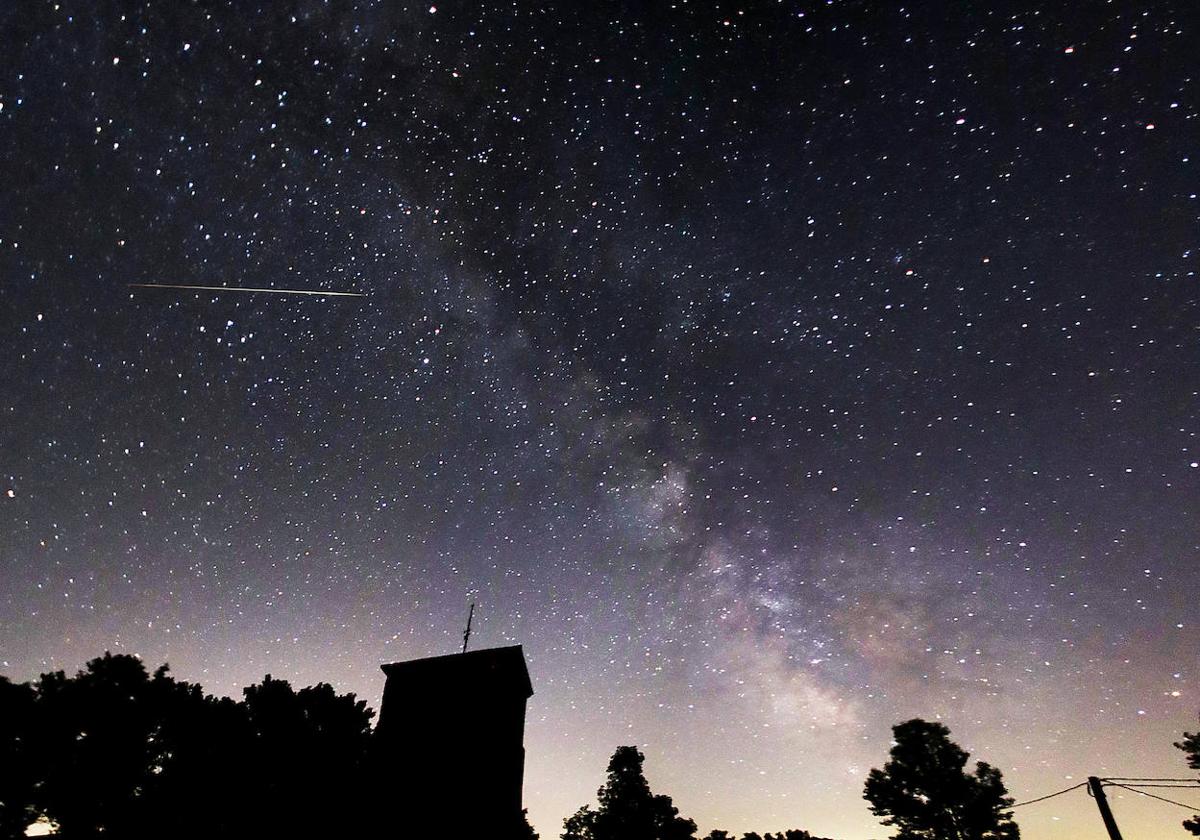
(310, 750)
(201, 760)
(627, 809)
(17, 756)
(924, 792)
(99, 730)
(526, 832)
(116, 752)
(790, 834)
(1191, 746)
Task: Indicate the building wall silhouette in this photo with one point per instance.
(451, 754)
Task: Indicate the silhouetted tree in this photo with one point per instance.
(308, 750)
(18, 758)
(201, 781)
(790, 834)
(627, 809)
(115, 752)
(1191, 746)
(526, 832)
(97, 728)
(133, 756)
(924, 792)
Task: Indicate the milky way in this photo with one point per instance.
(772, 373)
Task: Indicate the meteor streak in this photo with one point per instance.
(245, 289)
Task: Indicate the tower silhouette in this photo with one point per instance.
(451, 755)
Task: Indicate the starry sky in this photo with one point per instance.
(772, 372)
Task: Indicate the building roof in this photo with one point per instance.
(492, 668)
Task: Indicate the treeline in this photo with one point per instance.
(628, 810)
(117, 752)
(924, 790)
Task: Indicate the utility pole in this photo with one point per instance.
(467, 635)
(1097, 790)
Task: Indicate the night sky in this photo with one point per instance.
(772, 372)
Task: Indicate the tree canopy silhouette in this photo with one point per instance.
(925, 793)
(116, 752)
(16, 757)
(1191, 746)
(101, 733)
(525, 830)
(627, 809)
(310, 748)
(790, 834)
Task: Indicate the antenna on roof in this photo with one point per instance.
(467, 634)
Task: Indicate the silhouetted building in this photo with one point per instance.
(451, 744)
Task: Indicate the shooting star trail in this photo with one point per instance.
(245, 289)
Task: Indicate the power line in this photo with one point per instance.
(1160, 798)
(1116, 781)
(1049, 795)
